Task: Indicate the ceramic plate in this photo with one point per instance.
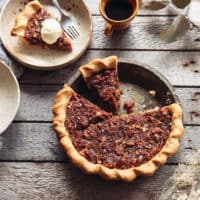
(137, 82)
(9, 97)
(36, 57)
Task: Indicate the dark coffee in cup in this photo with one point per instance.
(119, 9)
(118, 14)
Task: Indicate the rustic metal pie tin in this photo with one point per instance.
(139, 82)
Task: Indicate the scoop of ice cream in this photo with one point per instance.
(51, 31)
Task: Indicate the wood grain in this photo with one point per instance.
(144, 33)
(62, 181)
(37, 101)
(175, 66)
(38, 142)
(33, 166)
(93, 6)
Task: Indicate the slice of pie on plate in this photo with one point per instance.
(36, 25)
(115, 147)
(101, 77)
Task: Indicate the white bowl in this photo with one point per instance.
(9, 96)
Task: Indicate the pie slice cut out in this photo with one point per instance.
(116, 147)
(28, 25)
(101, 78)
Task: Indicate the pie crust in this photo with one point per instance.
(22, 22)
(98, 65)
(23, 18)
(171, 146)
(101, 77)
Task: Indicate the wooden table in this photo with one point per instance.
(32, 164)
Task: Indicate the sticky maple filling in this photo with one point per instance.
(33, 33)
(106, 86)
(124, 142)
(81, 113)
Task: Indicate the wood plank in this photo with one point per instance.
(190, 100)
(62, 181)
(38, 142)
(172, 64)
(94, 9)
(37, 101)
(144, 33)
(16, 67)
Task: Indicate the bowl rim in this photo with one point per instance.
(49, 67)
(145, 67)
(3, 64)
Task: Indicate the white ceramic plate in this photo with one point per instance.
(36, 57)
(9, 97)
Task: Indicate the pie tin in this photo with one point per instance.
(139, 82)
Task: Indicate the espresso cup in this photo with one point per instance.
(118, 14)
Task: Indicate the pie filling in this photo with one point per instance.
(81, 113)
(119, 142)
(105, 85)
(33, 33)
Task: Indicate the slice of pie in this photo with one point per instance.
(38, 27)
(115, 147)
(101, 77)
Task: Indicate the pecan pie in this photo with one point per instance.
(101, 77)
(115, 147)
(36, 25)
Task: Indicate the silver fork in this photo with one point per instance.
(67, 23)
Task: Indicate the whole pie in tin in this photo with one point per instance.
(115, 147)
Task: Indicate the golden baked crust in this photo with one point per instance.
(171, 146)
(98, 65)
(105, 86)
(22, 19)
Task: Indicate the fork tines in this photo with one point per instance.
(72, 32)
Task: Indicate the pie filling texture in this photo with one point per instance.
(113, 146)
(105, 85)
(81, 113)
(122, 142)
(32, 31)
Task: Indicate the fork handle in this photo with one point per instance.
(57, 5)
